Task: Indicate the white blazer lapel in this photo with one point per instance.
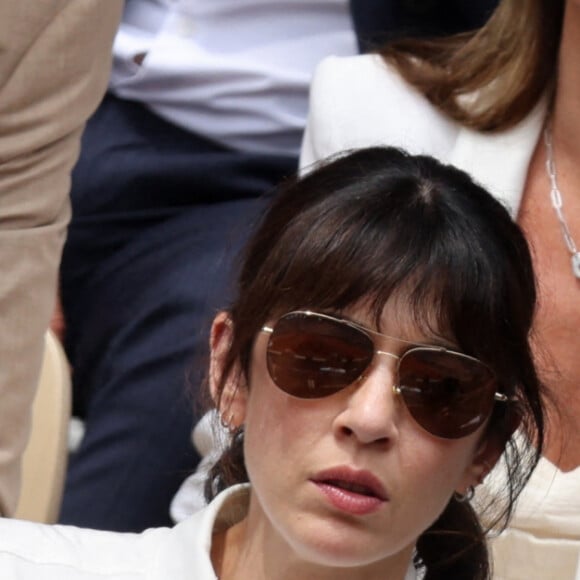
(499, 161)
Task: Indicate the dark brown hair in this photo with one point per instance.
(376, 222)
(492, 78)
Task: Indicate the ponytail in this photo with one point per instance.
(454, 546)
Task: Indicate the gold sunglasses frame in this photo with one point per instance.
(499, 397)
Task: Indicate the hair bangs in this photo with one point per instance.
(393, 225)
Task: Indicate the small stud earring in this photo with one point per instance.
(227, 424)
(465, 497)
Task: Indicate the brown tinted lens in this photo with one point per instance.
(310, 356)
(447, 394)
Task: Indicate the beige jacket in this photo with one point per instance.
(54, 67)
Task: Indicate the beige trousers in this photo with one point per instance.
(55, 58)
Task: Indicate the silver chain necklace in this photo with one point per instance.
(557, 203)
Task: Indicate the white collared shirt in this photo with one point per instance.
(30, 551)
(235, 71)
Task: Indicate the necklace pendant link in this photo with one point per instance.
(576, 264)
(558, 204)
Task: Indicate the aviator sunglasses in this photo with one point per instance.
(447, 393)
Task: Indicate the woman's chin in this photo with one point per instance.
(330, 548)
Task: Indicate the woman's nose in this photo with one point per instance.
(371, 408)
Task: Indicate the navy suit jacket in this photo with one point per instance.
(378, 21)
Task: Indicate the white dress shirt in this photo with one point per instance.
(30, 551)
(235, 71)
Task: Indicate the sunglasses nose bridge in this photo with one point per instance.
(383, 375)
(387, 354)
(394, 368)
(371, 413)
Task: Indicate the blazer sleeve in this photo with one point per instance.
(54, 67)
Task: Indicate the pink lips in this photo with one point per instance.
(357, 492)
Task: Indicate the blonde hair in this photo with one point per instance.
(489, 79)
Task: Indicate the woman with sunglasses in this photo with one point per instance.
(370, 372)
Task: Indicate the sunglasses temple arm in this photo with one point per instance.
(502, 398)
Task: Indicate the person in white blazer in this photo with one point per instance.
(373, 99)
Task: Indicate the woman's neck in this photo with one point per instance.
(566, 113)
